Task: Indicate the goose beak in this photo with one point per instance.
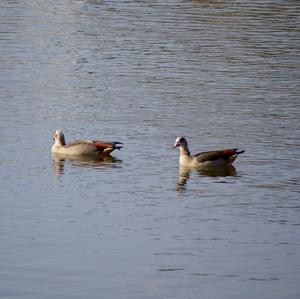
(175, 144)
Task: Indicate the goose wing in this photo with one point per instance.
(225, 154)
(107, 146)
(93, 146)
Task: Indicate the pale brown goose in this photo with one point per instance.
(82, 147)
(205, 159)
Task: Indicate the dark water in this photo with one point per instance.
(221, 73)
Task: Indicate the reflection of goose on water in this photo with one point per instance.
(210, 159)
(82, 147)
(220, 171)
(93, 161)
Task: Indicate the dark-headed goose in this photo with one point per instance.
(205, 159)
(82, 147)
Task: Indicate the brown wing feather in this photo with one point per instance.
(215, 155)
(107, 147)
(78, 142)
(103, 145)
(100, 146)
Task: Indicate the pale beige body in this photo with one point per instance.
(208, 159)
(82, 147)
(192, 161)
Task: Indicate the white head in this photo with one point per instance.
(180, 141)
(59, 138)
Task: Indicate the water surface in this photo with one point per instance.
(221, 73)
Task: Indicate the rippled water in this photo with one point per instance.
(221, 73)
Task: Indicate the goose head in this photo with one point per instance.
(59, 138)
(180, 141)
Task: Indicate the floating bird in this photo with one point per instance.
(207, 159)
(82, 147)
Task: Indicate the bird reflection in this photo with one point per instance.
(81, 161)
(184, 174)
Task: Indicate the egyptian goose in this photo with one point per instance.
(205, 159)
(82, 147)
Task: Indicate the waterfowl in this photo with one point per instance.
(82, 147)
(205, 159)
